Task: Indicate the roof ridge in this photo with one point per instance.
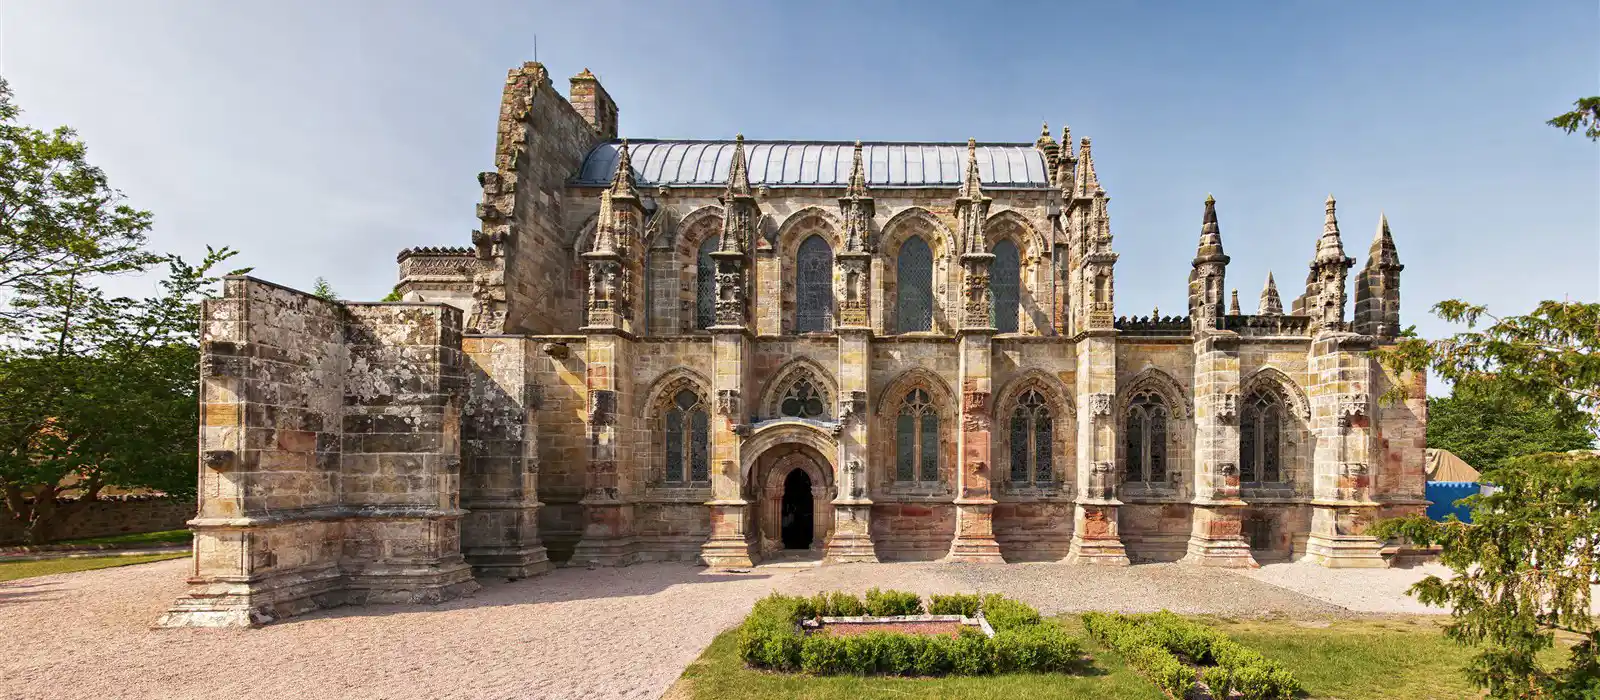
(819, 142)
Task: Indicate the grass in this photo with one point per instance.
(154, 539)
(11, 571)
(1349, 659)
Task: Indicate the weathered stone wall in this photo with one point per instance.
(563, 439)
(330, 456)
(114, 515)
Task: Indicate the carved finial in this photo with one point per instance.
(1088, 183)
(622, 181)
(858, 175)
(1270, 304)
(972, 187)
(1330, 248)
(1210, 248)
(738, 177)
(1233, 305)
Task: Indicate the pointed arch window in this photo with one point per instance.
(1005, 280)
(1260, 423)
(916, 439)
(705, 285)
(913, 271)
(1146, 439)
(687, 434)
(814, 286)
(1032, 439)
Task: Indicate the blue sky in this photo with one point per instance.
(321, 138)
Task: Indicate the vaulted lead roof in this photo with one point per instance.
(817, 164)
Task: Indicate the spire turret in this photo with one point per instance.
(858, 176)
(853, 265)
(1378, 289)
(1063, 165)
(1326, 284)
(1270, 304)
(739, 220)
(1330, 247)
(1087, 181)
(738, 174)
(972, 207)
(1233, 303)
(622, 181)
(1208, 278)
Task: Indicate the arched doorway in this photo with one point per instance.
(795, 521)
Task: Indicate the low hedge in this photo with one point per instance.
(1154, 638)
(771, 637)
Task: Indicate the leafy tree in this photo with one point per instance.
(1522, 569)
(393, 295)
(324, 290)
(100, 392)
(1484, 422)
(58, 216)
(1586, 116)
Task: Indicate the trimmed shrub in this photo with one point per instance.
(1143, 647)
(897, 653)
(1149, 637)
(887, 603)
(1040, 648)
(841, 604)
(965, 604)
(1005, 613)
(1218, 681)
(970, 654)
(822, 655)
(934, 656)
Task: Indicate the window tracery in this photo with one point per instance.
(1260, 432)
(686, 432)
(1145, 437)
(917, 439)
(914, 286)
(1032, 441)
(1005, 281)
(705, 289)
(814, 286)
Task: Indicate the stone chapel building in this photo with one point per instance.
(710, 351)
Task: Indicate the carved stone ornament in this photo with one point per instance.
(1100, 404)
(975, 410)
(728, 402)
(851, 405)
(1355, 469)
(559, 351)
(1227, 407)
(1352, 405)
(602, 407)
(852, 467)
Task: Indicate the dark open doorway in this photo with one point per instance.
(796, 515)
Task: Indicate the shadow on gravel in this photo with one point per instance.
(23, 591)
(556, 586)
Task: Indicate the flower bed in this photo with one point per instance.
(1169, 650)
(773, 637)
(926, 625)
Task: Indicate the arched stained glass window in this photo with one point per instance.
(802, 400)
(1146, 439)
(814, 286)
(913, 271)
(916, 439)
(705, 285)
(687, 434)
(1260, 425)
(1005, 280)
(1032, 432)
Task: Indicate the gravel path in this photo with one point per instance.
(573, 633)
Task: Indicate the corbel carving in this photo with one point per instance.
(1100, 404)
(1227, 406)
(728, 402)
(852, 404)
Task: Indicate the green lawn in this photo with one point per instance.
(153, 539)
(11, 571)
(1361, 659)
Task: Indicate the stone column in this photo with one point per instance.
(1342, 506)
(852, 509)
(974, 541)
(1217, 535)
(608, 535)
(1095, 538)
(729, 545)
(500, 464)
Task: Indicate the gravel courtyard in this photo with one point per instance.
(573, 633)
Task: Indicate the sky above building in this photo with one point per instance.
(320, 138)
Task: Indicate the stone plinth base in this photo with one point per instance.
(508, 562)
(231, 602)
(607, 535)
(974, 542)
(1217, 538)
(729, 547)
(380, 584)
(1094, 537)
(1345, 551)
(851, 541)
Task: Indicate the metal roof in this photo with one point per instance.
(818, 164)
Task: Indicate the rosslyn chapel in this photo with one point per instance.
(721, 351)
